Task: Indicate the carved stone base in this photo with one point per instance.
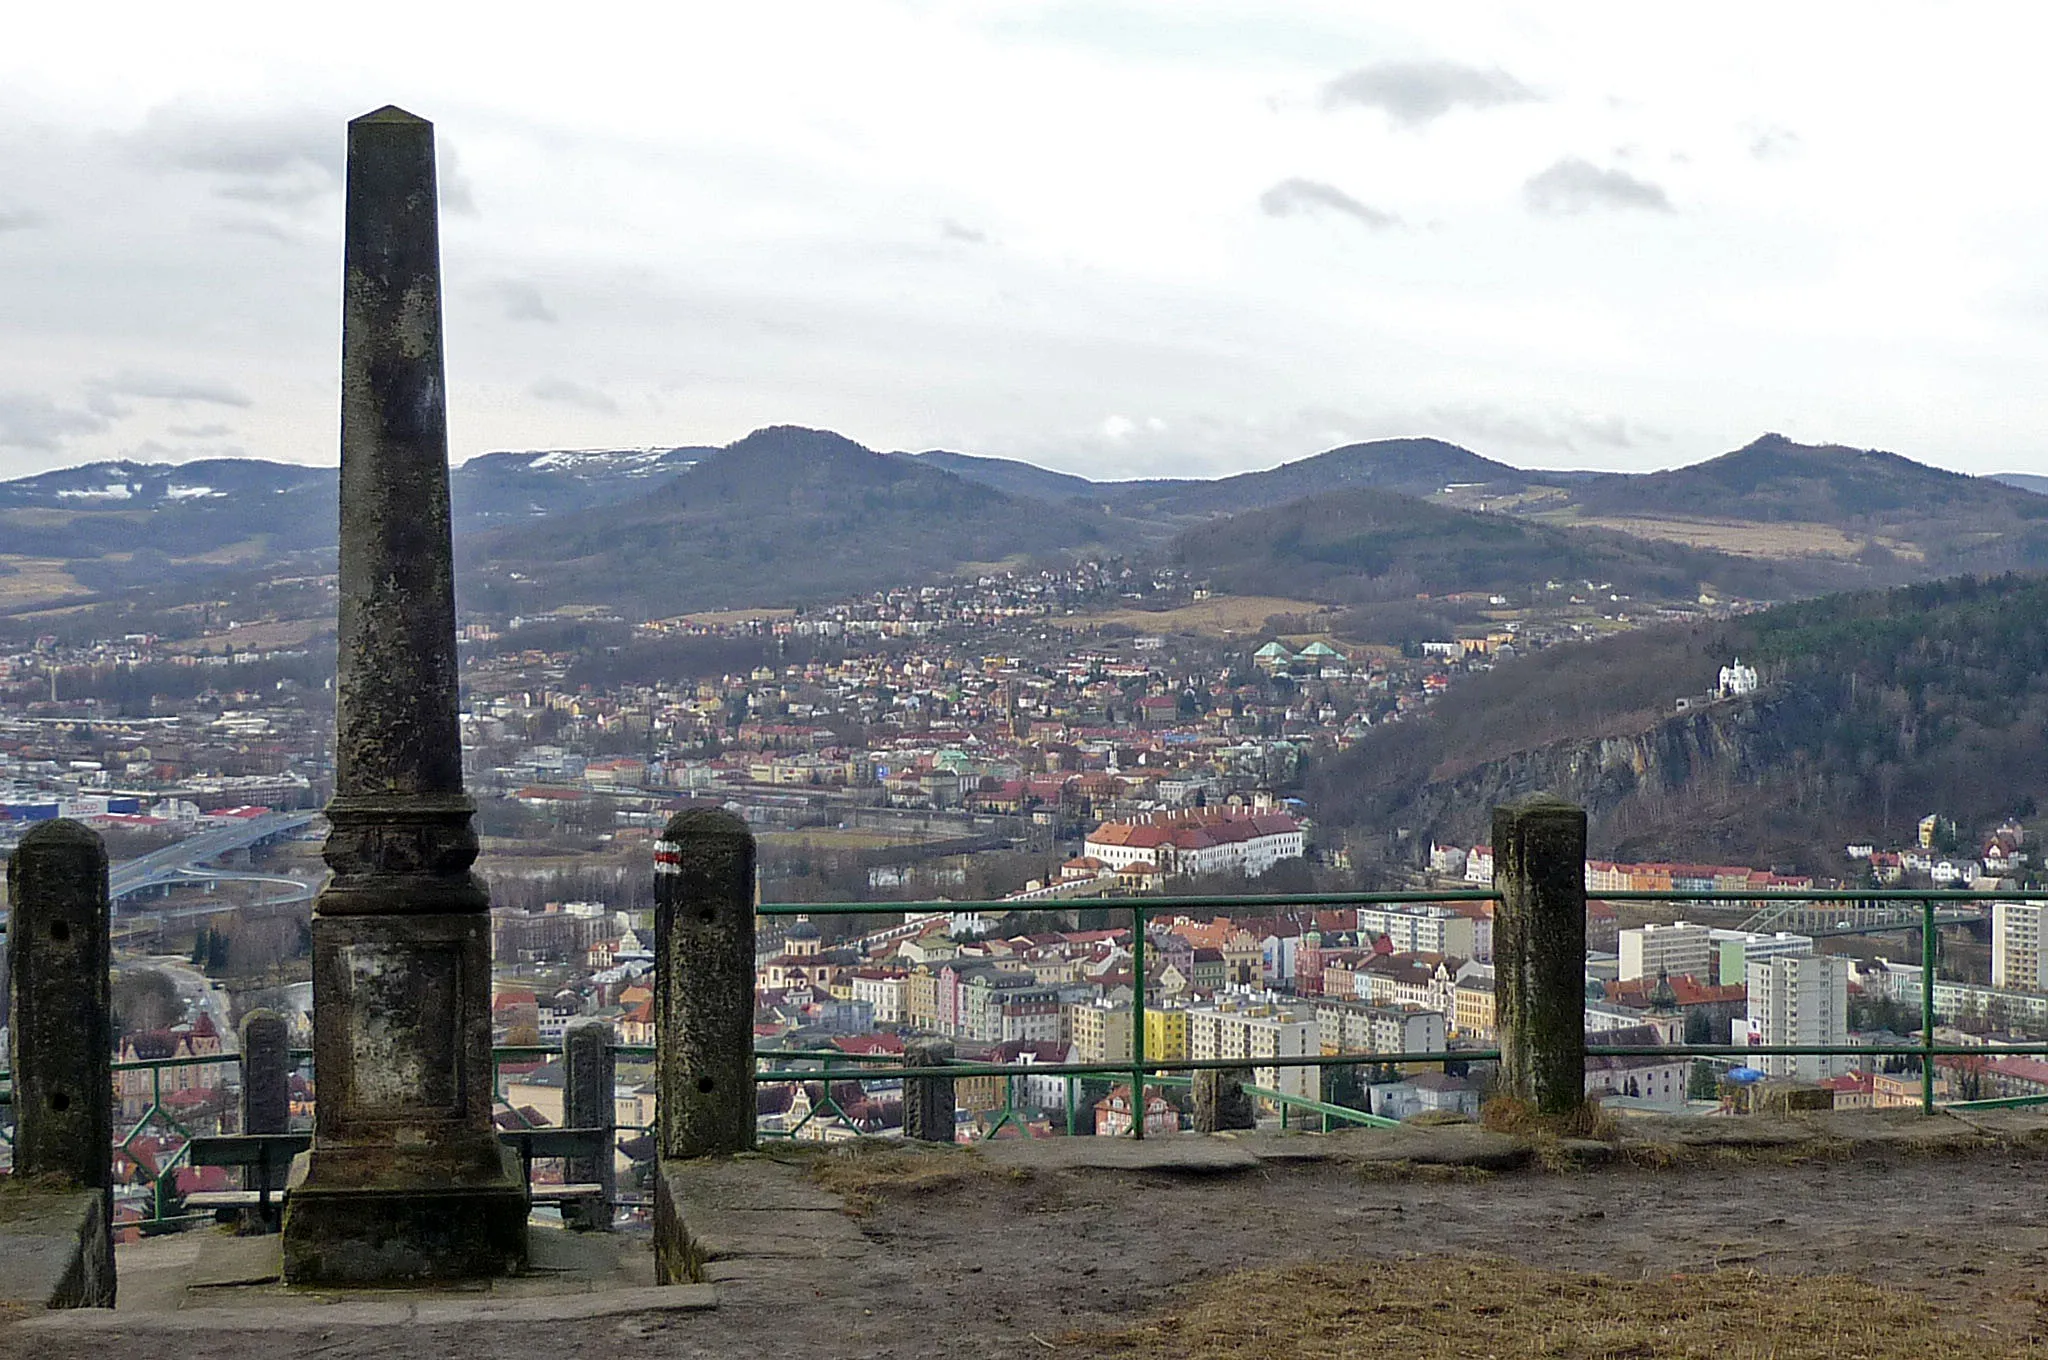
(343, 1228)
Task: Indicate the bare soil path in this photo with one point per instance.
(1030, 1263)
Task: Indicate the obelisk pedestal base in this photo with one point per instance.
(342, 1227)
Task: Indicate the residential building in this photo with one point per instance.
(1798, 999)
(1256, 1026)
(1680, 949)
(1424, 1093)
(1428, 928)
(1113, 1114)
(1734, 949)
(882, 988)
(1360, 1027)
(1473, 1015)
(1166, 1033)
(1101, 1032)
(2018, 963)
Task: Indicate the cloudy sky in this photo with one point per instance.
(1115, 237)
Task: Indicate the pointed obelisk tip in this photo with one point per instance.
(390, 113)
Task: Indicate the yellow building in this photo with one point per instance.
(921, 998)
(1166, 1034)
(1101, 1033)
(1473, 1014)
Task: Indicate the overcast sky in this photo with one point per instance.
(1116, 238)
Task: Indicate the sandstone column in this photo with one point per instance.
(1539, 951)
(406, 1179)
(58, 950)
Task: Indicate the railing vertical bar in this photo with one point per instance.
(1927, 961)
(1137, 1022)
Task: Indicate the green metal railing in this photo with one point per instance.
(1143, 1071)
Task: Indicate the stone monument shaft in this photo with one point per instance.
(406, 1179)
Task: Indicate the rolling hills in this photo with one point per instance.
(805, 520)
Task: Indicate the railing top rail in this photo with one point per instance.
(1148, 905)
(1747, 895)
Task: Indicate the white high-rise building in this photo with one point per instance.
(1259, 1027)
(2017, 959)
(1682, 950)
(1798, 999)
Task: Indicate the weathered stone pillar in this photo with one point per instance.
(1220, 1101)
(589, 1101)
(62, 1033)
(928, 1102)
(266, 1104)
(406, 1179)
(704, 984)
(1539, 951)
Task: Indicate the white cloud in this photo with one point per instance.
(1574, 185)
(986, 226)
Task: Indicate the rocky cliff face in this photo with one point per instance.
(1623, 780)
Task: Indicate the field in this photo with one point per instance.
(839, 838)
(256, 637)
(1742, 538)
(35, 580)
(1217, 616)
(716, 617)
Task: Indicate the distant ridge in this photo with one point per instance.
(113, 525)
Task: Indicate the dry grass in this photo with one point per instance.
(1441, 1308)
(34, 580)
(863, 1172)
(1745, 538)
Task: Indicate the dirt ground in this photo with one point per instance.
(1000, 1266)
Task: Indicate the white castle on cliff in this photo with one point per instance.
(1737, 680)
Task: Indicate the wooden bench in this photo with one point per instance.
(265, 1153)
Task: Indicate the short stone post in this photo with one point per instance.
(589, 1101)
(1539, 951)
(928, 1102)
(1220, 1101)
(62, 1032)
(266, 1105)
(704, 984)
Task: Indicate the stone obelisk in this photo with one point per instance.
(406, 1179)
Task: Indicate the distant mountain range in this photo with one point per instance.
(788, 515)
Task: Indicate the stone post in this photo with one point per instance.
(704, 984)
(62, 1032)
(1539, 952)
(266, 1103)
(406, 1179)
(589, 1101)
(1220, 1101)
(928, 1102)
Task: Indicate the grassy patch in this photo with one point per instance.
(1439, 1308)
(864, 1172)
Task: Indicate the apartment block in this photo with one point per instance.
(1681, 949)
(1259, 1027)
(1798, 999)
(1358, 1027)
(2018, 962)
(1101, 1033)
(1428, 928)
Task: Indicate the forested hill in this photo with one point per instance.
(1876, 709)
